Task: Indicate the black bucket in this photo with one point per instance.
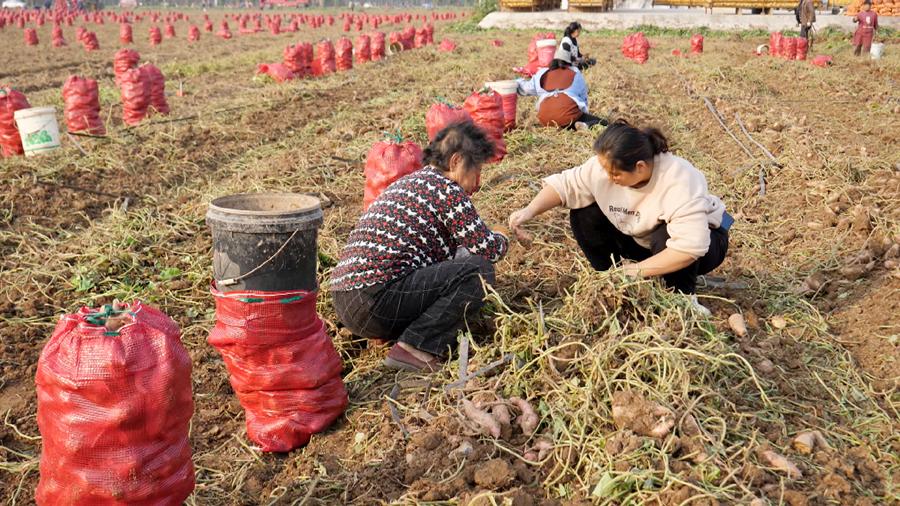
(265, 241)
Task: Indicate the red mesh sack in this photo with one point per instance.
(440, 115)
(822, 61)
(124, 60)
(224, 32)
(545, 55)
(802, 49)
(387, 162)
(208, 26)
(532, 65)
(789, 48)
(447, 45)
(325, 55)
(169, 31)
(155, 36)
(157, 84)
(10, 102)
(636, 47)
(82, 106)
(281, 364)
(308, 57)
(277, 71)
(193, 33)
(497, 43)
(363, 49)
(344, 54)
(697, 44)
(378, 46)
(346, 26)
(31, 38)
(58, 39)
(294, 60)
(408, 38)
(486, 110)
(135, 92)
(126, 34)
(775, 40)
(90, 42)
(114, 410)
(429, 31)
(421, 38)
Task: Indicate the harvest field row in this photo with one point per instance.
(809, 267)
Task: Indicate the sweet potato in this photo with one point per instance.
(737, 324)
(809, 440)
(528, 420)
(488, 425)
(501, 413)
(781, 463)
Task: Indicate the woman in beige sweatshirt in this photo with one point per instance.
(636, 202)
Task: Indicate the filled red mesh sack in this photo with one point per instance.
(126, 35)
(277, 71)
(58, 38)
(822, 61)
(497, 43)
(802, 49)
(789, 48)
(408, 38)
(378, 46)
(90, 42)
(346, 26)
(775, 40)
(440, 115)
(20, 22)
(169, 31)
(344, 54)
(31, 38)
(155, 36)
(308, 57)
(275, 27)
(208, 26)
(224, 32)
(486, 110)
(636, 47)
(429, 31)
(447, 45)
(124, 60)
(325, 50)
(193, 33)
(294, 60)
(388, 161)
(421, 38)
(10, 102)
(82, 106)
(697, 44)
(114, 407)
(135, 90)
(292, 27)
(532, 65)
(545, 54)
(157, 83)
(363, 49)
(281, 364)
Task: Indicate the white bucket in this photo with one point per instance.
(38, 129)
(545, 43)
(503, 87)
(877, 50)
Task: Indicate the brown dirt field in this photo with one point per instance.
(815, 250)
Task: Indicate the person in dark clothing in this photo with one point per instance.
(413, 268)
(562, 95)
(806, 16)
(569, 45)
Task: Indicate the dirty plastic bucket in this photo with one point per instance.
(877, 50)
(38, 129)
(265, 241)
(507, 91)
(546, 49)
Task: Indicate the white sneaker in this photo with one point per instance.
(700, 308)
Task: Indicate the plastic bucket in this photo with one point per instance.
(546, 50)
(265, 241)
(508, 93)
(877, 50)
(38, 128)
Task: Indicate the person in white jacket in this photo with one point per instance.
(635, 202)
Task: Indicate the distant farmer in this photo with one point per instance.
(806, 16)
(569, 45)
(865, 32)
(414, 267)
(562, 94)
(635, 202)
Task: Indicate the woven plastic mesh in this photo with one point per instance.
(344, 54)
(10, 102)
(325, 56)
(378, 46)
(363, 48)
(440, 115)
(135, 90)
(82, 106)
(486, 110)
(126, 33)
(114, 411)
(387, 162)
(281, 364)
(157, 84)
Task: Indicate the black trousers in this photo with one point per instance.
(590, 120)
(804, 31)
(601, 242)
(425, 309)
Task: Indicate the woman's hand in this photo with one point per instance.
(516, 220)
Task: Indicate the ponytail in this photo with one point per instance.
(625, 145)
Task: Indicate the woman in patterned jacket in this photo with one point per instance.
(413, 268)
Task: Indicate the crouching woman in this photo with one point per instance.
(414, 266)
(562, 95)
(636, 202)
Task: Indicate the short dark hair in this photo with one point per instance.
(572, 28)
(556, 63)
(462, 137)
(626, 145)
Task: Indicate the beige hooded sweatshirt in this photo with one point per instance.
(676, 195)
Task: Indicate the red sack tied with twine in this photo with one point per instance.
(775, 40)
(363, 49)
(124, 60)
(114, 407)
(82, 106)
(126, 34)
(155, 36)
(378, 46)
(325, 58)
(697, 44)
(294, 58)
(344, 54)
(58, 39)
(157, 83)
(193, 33)
(386, 162)
(135, 90)
(31, 38)
(636, 47)
(10, 102)
(281, 364)
(486, 110)
(90, 42)
(169, 31)
(802, 49)
(440, 115)
(789, 48)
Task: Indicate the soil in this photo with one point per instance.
(824, 228)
